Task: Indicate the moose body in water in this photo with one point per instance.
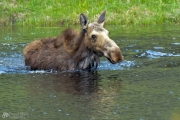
(73, 50)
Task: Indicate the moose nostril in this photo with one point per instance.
(121, 59)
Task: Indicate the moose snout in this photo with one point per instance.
(116, 56)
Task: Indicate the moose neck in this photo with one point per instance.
(85, 58)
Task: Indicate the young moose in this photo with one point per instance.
(73, 50)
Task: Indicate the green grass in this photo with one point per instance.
(66, 12)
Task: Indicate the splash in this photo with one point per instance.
(105, 65)
(40, 71)
(154, 54)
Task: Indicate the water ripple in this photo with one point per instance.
(105, 65)
(154, 54)
(16, 65)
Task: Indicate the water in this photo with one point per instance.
(143, 87)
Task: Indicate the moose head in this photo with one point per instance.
(97, 39)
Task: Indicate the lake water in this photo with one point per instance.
(145, 86)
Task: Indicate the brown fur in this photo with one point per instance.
(66, 52)
(72, 50)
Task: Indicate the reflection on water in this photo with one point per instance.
(79, 82)
(144, 86)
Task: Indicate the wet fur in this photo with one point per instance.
(66, 52)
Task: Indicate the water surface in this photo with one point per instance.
(143, 87)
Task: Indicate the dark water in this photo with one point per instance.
(143, 87)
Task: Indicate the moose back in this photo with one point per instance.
(73, 50)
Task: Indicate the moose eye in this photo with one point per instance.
(93, 36)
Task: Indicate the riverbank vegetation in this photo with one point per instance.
(66, 12)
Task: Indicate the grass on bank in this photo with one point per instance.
(66, 12)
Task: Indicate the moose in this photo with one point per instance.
(73, 50)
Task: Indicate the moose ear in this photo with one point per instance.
(84, 21)
(102, 18)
